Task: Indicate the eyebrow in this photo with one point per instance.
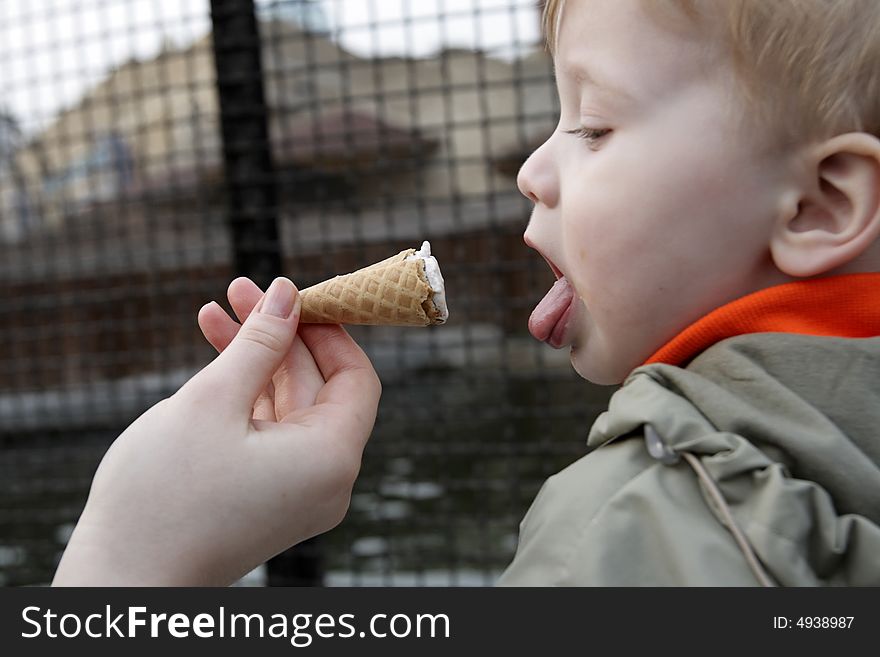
(585, 77)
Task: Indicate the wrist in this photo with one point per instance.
(95, 557)
(100, 555)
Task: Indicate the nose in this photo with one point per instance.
(537, 179)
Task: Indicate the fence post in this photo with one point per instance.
(252, 197)
(247, 154)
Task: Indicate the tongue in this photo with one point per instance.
(550, 310)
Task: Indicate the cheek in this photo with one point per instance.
(606, 225)
(640, 226)
(598, 250)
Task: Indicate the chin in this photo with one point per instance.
(597, 370)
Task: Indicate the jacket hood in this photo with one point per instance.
(787, 425)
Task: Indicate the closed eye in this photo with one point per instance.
(591, 135)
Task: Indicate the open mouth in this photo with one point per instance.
(551, 318)
(556, 271)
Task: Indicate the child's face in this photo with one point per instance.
(662, 219)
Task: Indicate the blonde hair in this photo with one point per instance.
(810, 69)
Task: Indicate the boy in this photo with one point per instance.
(710, 205)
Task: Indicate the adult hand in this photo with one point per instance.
(255, 453)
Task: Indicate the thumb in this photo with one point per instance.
(246, 366)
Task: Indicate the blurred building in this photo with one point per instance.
(127, 186)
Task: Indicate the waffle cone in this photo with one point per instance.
(394, 292)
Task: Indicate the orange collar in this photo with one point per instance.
(846, 306)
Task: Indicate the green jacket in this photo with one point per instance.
(788, 429)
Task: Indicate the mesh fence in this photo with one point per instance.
(151, 151)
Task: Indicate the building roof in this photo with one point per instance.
(338, 141)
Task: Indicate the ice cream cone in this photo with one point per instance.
(394, 292)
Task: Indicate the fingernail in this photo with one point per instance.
(279, 298)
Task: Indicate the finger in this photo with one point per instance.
(218, 328)
(352, 383)
(298, 381)
(242, 371)
(243, 295)
(264, 407)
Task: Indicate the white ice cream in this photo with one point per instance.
(435, 279)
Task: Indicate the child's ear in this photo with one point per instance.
(837, 214)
